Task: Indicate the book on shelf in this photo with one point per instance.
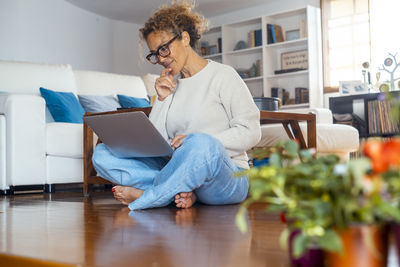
(251, 41)
(301, 95)
(278, 33)
(258, 37)
(303, 29)
(379, 118)
(255, 38)
(269, 34)
(274, 34)
(280, 93)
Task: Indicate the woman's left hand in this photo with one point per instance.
(177, 141)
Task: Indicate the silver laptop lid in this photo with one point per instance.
(129, 134)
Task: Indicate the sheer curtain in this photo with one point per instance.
(358, 31)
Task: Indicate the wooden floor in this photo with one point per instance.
(98, 231)
(66, 229)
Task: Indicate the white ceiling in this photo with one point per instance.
(137, 11)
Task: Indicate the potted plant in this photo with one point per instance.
(327, 204)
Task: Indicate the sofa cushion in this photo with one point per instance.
(98, 103)
(133, 102)
(101, 83)
(64, 139)
(64, 170)
(331, 138)
(63, 106)
(27, 78)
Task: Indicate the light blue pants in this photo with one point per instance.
(201, 164)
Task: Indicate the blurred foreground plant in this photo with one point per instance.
(319, 195)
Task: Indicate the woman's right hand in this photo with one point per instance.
(165, 84)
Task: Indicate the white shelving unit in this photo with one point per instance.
(211, 37)
(270, 54)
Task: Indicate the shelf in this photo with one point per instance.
(289, 74)
(213, 55)
(253, 79)
(244, 51)
(287, 43)
(293, 106)
(268, 56)
(213, 30)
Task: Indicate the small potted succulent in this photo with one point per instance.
(339, 208)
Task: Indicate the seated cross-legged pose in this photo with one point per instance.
(207, 114)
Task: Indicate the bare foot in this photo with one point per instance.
(126, 194)
(185, 200)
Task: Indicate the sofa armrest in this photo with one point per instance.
(323, 115)
(25, 138)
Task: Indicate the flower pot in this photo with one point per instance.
(396, 234)
(313, 257)
(363, 246)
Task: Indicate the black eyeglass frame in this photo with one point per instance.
(157, 53)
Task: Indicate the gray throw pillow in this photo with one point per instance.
(96, 103)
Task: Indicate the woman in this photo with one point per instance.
(208, 115)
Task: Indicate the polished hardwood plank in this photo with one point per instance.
(67, 229)
(98, 231)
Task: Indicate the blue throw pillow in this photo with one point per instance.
(98, 103)
(63, 106)
(133, 102)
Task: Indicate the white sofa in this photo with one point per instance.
(35, 150)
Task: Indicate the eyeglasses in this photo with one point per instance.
(163, 51)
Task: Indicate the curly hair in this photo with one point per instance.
(176, 18)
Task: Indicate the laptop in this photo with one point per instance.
(129, 135)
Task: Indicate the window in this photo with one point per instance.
(357, 31)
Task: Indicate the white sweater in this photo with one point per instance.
(215, 101)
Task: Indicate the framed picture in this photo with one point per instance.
(292, 35)
(352, 87)
(294, 60)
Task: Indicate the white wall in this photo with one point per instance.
(128, 56)
(54, 31)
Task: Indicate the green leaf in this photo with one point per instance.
(275, 160)
(300, 245)
(291, 148)
(284, 238)
(358, 168)
(305, 155)
(331, 241)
